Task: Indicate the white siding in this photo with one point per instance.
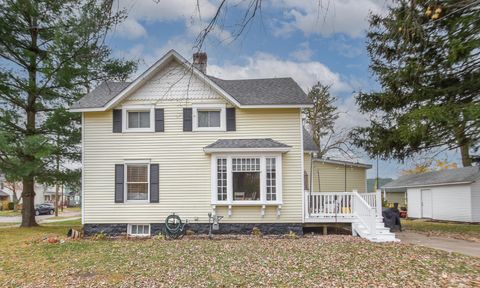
(476, 201)
(184, 167)
(414, 202)
(449, 202)
(452, 202)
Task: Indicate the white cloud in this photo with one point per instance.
(130, 29)
(262, 65)
(303, 53)
(325, 17)
(150, 11)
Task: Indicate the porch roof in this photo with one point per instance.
(246, 145)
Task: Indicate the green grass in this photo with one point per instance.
(10, 213)
(2, 224)
(243, 261)
(457, 230)
(76, 222)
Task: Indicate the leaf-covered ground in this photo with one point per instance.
(464, 231)
(27, 260)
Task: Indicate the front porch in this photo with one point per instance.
(362, 210)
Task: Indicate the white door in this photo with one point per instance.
(426, 203)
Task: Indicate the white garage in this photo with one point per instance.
(452, 195)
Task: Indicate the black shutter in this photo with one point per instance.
(231, 125)
(187, 119)
(159, 120)
(117, 121)
(154, 183)
(119, 183)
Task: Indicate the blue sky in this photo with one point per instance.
(308, 40)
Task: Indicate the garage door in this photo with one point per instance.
(426, 203)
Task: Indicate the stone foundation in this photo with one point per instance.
(201, 228)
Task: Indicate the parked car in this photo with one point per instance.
(45, 208)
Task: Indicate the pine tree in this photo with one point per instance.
(51, 52)
(426, 55)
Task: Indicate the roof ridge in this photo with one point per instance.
(246, 79)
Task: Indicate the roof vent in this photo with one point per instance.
(200, 61)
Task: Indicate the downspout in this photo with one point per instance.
(345, 165)
(310, 183)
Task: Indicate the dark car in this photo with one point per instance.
(45, 208)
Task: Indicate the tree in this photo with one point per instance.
(426, 55)
(51, 52)
(321, 121)
(429, 166)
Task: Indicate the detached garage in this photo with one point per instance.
(452, 195)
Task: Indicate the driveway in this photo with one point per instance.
(442, 243)
(40, 218)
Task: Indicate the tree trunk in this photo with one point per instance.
(465, 153)
(28, 195)
(56, 200)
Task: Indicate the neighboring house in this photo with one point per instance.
(391, 195)
(334, 175)
(73, 197)
(452, 194)
(176, 140)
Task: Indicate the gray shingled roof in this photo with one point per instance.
(450, 176)
(246, 143)
(275, 91)
(101, 95)
(308, 143)
(3, 194)
(271, 91)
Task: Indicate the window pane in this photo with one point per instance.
(134, 229)
(246, 185)
(139, 119)
(137, 173)
(137, 191)
(222, 179)
(214, 117)
(133, 120)
(271, 179)
(202, 118)
(208, 118)
(144, 119)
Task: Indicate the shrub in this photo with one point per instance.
(190, 232)
(11, 205)
(99, 236)
(257, 232)
(291, 235)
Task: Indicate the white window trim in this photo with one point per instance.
(138, 108)
(209, 107)
(129, 230)
(263, 181)
(125, 186)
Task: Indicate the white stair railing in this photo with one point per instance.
(365, 214)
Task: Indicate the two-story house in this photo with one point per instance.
(176, 140)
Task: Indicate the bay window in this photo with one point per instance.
(246, 179)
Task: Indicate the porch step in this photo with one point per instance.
(382, 233)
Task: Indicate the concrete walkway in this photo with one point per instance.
(442, 243)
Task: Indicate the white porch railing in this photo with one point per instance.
(362, 210)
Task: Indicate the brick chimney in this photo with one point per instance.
(200, 61)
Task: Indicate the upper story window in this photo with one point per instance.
(139, 118)
(209, 117)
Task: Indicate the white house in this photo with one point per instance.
(452, 195)
(176, 140)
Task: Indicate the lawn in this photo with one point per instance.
(469, 232)
(10, 213)
(30, 261)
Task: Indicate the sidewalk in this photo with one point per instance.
(442, 243)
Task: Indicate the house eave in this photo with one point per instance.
(428, 185)
(245, 150)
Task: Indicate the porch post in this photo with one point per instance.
(378, 202)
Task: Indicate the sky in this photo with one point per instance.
(308, 40)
